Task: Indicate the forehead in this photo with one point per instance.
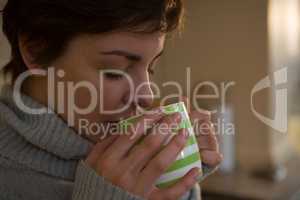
(135, 42)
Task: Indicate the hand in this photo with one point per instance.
(135, 167)
(206, 136)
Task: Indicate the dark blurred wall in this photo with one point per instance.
(224, 41)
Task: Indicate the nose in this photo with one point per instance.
(143, 96)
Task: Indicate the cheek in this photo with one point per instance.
(113, 94)
(109, 98)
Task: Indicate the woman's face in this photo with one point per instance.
(86, 57)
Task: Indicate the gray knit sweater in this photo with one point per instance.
(41, 159)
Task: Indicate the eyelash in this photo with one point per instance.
(119, 76)
(113, 76)
(151, 71)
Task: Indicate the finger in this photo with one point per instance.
(208, 142)
(134, 132)
(183, 186)
(98, 149)
(207, 138)
(153, 143)
(211, 158)
(160, 163)
(203, 128)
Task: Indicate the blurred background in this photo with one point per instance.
(228, 47)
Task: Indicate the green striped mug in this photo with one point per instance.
(188, 158)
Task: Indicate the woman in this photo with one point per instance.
(49, 155)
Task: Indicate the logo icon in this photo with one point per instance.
(279, 122)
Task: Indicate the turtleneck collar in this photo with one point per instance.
(42, 142)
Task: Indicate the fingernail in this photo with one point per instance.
(178, 117)
(187, 134)
(184, 134)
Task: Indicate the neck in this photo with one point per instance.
(36, 88)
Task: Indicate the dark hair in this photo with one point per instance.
(50, 24)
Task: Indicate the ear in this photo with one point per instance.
(27, 53)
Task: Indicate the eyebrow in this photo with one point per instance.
(128, 55)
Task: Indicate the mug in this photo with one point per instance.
(188, 158)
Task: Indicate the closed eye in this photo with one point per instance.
(113, 76)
